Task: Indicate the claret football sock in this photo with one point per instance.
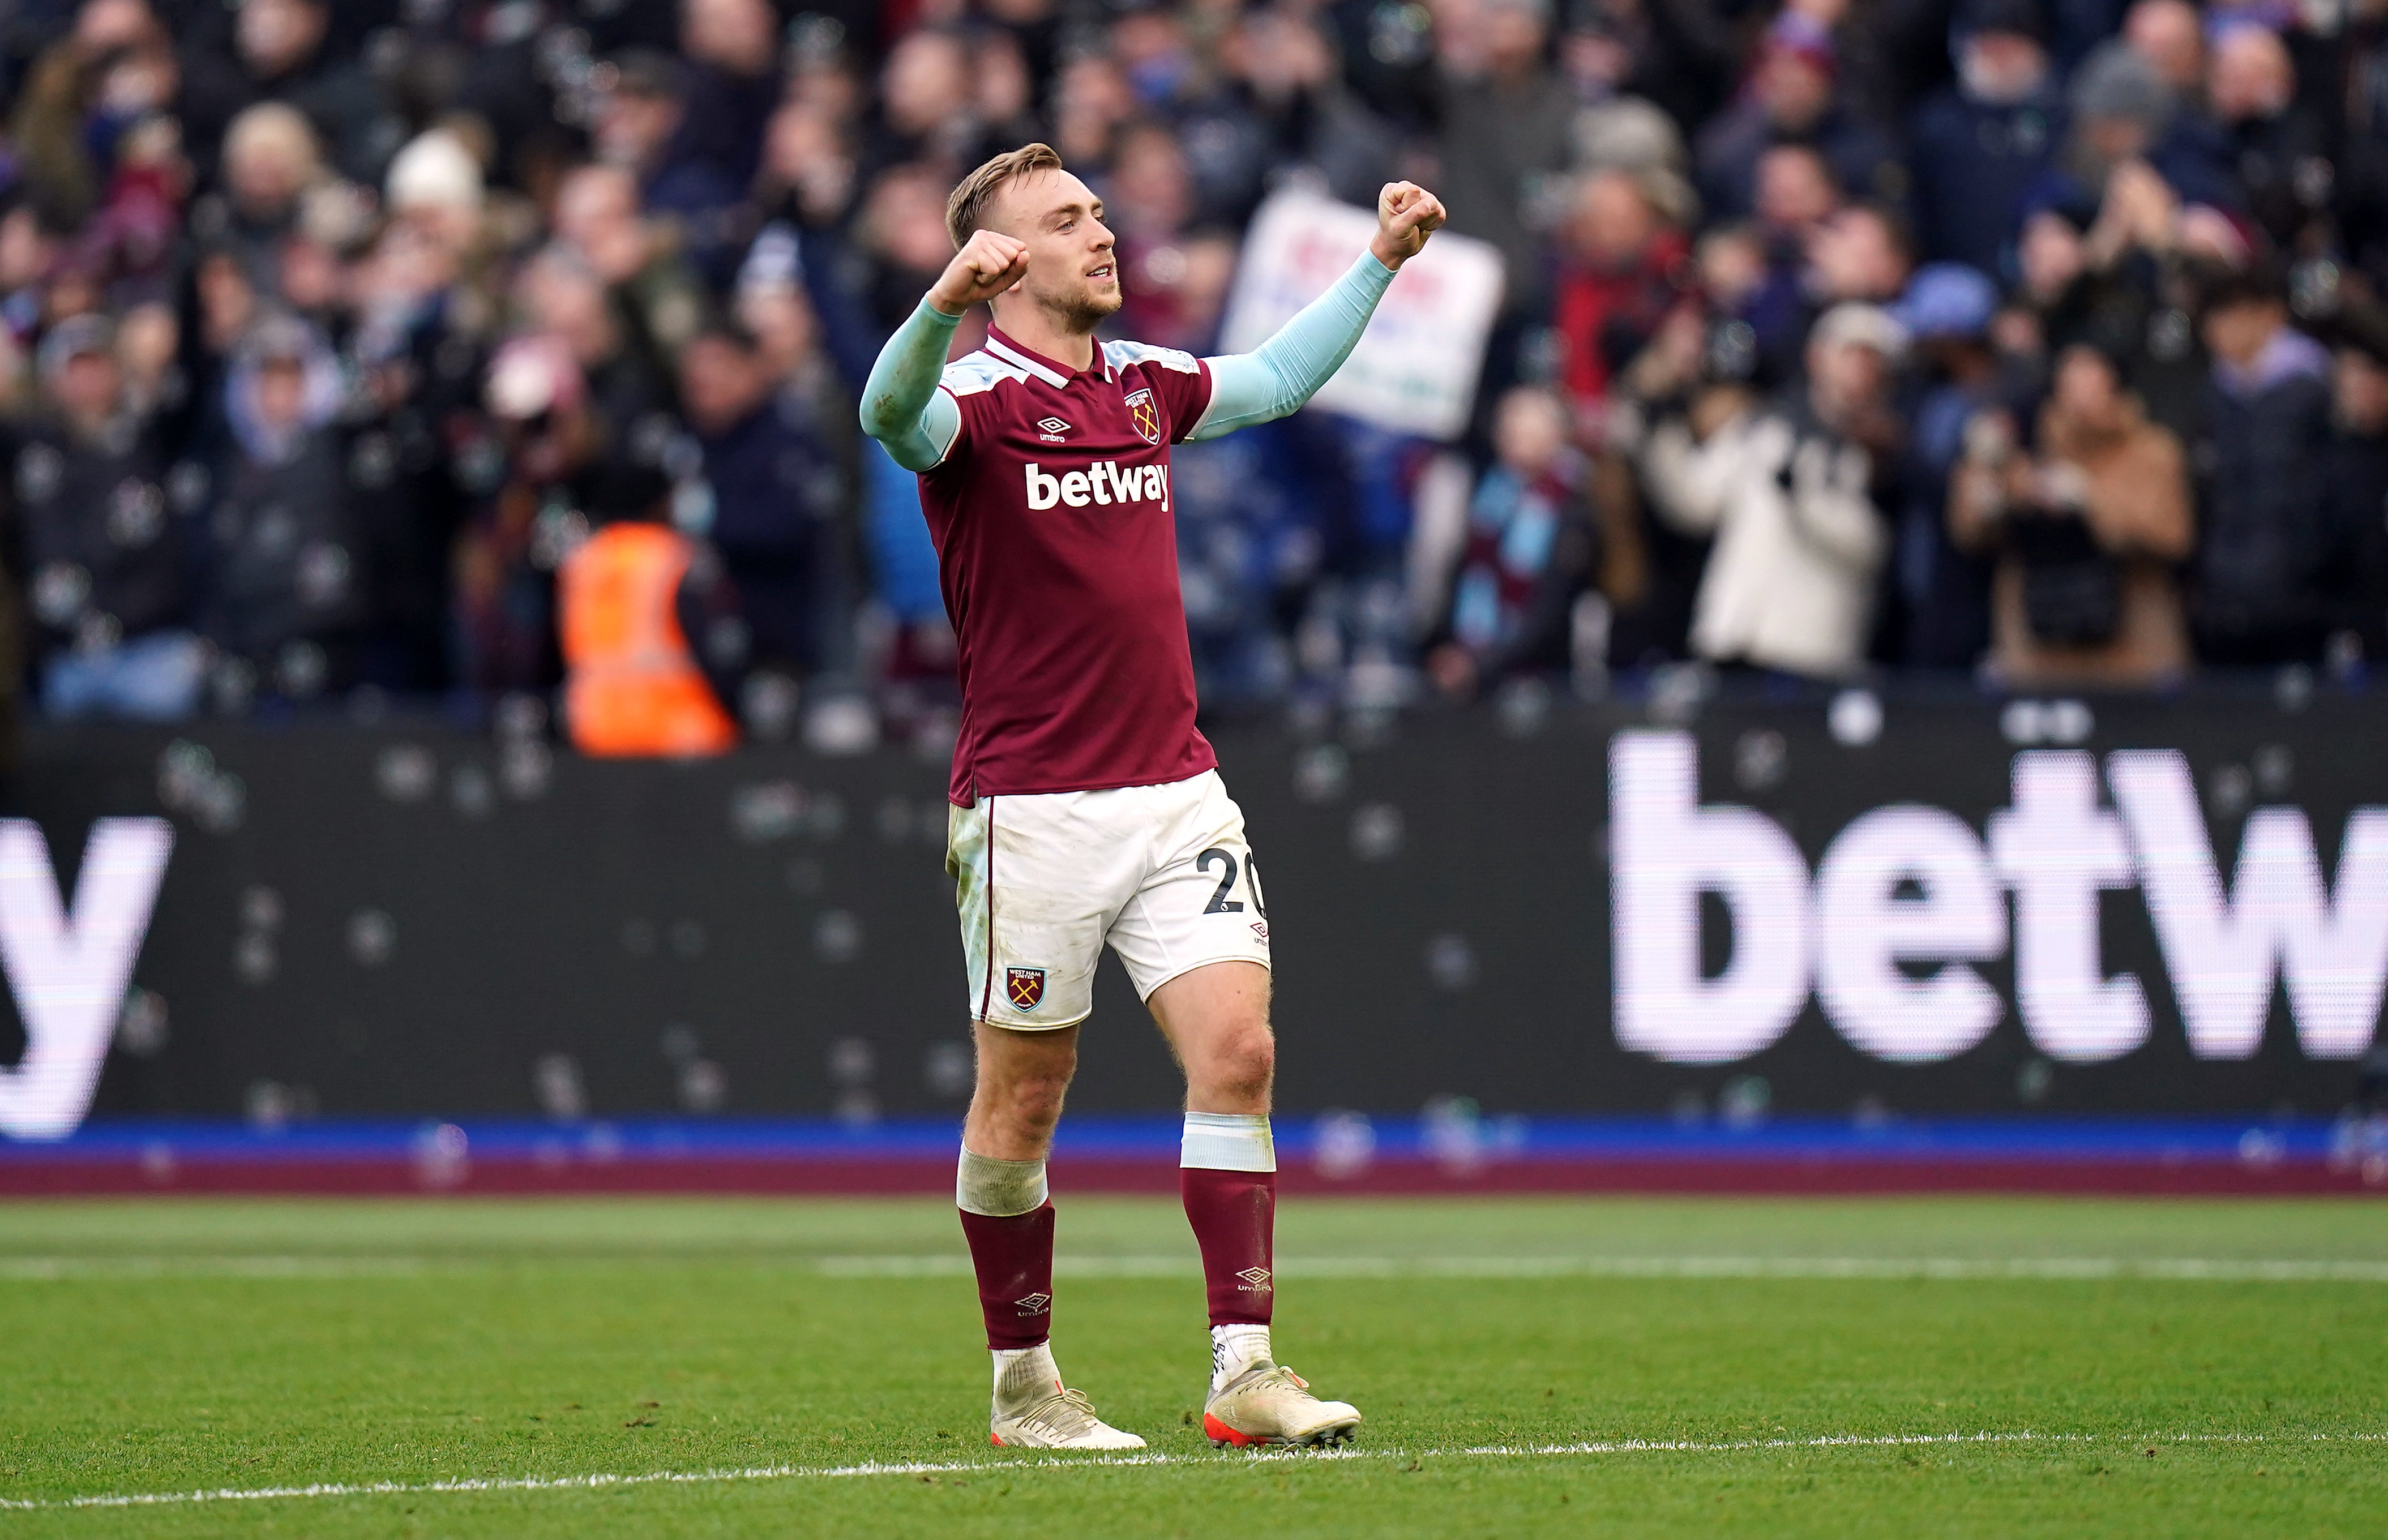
(1227, 1176)
(1010, 1225)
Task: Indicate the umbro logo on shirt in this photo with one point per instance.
(1050, 429)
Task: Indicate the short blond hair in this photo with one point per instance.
(966, 210)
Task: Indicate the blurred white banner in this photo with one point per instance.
(1414, 369)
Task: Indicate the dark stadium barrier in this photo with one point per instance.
(1867, 912)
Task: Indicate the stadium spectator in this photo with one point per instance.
(1788, 491)
(102, 551)
(1980, 143)
(420, 190)
(2265, 551)
(286, 590)
(2087, 525)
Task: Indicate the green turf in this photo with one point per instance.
(158, 1348)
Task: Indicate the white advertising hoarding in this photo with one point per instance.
(1414, 371)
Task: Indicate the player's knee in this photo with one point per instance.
(1246, 1063)
(1034, 1099)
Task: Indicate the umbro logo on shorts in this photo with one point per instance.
(1033, 1304)
(1256, 1281)
(1026, 986)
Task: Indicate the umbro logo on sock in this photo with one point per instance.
(1036, 1305)
(1256, 1281)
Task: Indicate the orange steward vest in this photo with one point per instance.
(632, 687)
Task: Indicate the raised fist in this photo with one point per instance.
(1407, 215)
(985, 266)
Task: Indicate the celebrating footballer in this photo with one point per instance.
(1086, 807)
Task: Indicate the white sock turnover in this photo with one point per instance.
(1023, 1376)
(1235, 1349)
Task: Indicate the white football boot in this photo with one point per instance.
(1270, 1404)
(1034, 1410)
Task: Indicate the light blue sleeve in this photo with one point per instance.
(1286, 370)
(902, 407)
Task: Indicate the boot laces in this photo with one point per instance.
(1065, 1414)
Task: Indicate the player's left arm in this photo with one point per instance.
(1288, 368)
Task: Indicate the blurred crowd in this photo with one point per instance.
(2032, 340)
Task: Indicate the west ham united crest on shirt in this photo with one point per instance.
(1057, 553)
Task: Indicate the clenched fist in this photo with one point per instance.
(1407, 215)
(988, 264)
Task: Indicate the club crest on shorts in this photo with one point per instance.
(1026, 986)
(1144, 414)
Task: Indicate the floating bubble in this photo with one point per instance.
(232, 684)
(2292, 687)
(857, 1108)
(947, 1070)
(1451, 962)
(1854, 718)
(826, 818)
(2229, 789)
(773, 809)
(851, 1062)
(1321, 773)
(157, 1161)
(555, 1081)
(1688, 1109)
(703, 1086)
(181, 770)
(1744, 1102)
(2262, 1149)
(470, 790)
(268, 1105)
(1523, 707)
(767, 703)
(2034, 1080)
(220, 803)
(442, 1155)
(688, 938)
(519, 714)
(602, 1144)
(255, 959)
(679, 1044)
(842, 725)
(406, 772)
(1677, 691)
(2276, 769)
(373, 936)
(837, 935)
(2023, 722)
(638, 937)
(1451, 1128)
(1345, 1144)
(2069, 722)
(525, 768)
(894, 819)
(1376, 832)
(1870, 1115)
(1759, 758)
(260, 908)
(141, 1026)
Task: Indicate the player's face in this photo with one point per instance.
(1072, 271)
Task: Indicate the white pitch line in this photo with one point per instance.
(602, 1481)
(949, 1265)
(2061, 1268)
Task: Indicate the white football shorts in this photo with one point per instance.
(1160, 872)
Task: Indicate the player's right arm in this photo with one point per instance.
(901, 405)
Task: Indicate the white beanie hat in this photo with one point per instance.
(435, 170)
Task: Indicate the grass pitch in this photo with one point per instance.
(1634, 1368)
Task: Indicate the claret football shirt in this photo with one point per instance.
(1057, 554)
